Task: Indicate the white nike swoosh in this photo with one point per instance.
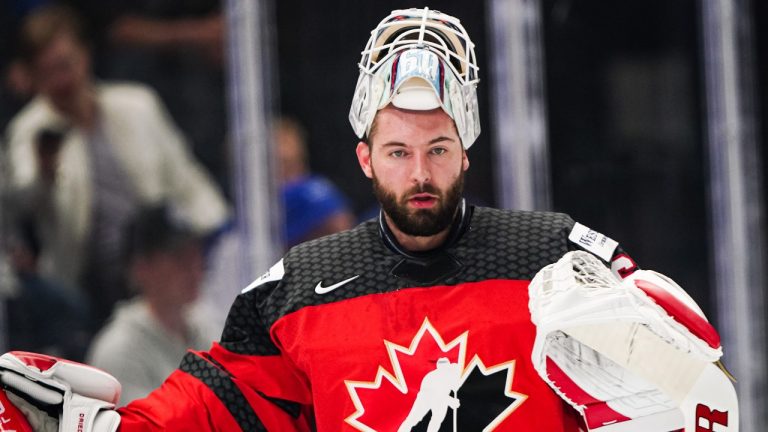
(320, 289)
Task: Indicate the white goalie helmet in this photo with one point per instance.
(418, 59)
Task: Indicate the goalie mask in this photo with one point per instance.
(418, 59)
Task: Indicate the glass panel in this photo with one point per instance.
(625, 128)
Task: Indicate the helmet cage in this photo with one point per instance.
(416, 31)
(445, 36)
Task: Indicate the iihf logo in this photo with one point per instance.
(432, 388)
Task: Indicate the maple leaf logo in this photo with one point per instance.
(431, 387)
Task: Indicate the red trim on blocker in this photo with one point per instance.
(40, 361)
(628, 265)
(597, 413)
(681, 313)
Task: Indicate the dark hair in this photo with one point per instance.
(41, 27)
(153, 229)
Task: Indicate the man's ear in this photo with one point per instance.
(464, 161)
(363, 151)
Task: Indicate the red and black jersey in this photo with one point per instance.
(351, 332)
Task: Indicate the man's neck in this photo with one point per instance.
(82, 110)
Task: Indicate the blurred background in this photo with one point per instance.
(643, 120)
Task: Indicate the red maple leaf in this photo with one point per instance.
(384, 403)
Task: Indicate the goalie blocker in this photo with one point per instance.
(47, 394)
(630, 355)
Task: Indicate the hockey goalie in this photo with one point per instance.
(436, 315)
(631, 355)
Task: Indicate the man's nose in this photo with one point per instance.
(421, 172)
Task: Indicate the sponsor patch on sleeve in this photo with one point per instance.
(275, 273)
(592, 241)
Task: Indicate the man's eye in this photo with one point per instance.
(438, 150)
(398, 153)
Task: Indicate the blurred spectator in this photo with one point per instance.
(147, 336)
(117, 150)
(313, 206)
(176, 47)
(42, 315)
(15, 88)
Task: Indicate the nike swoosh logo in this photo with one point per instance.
(320, 289)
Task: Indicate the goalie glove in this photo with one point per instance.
(631, 355)
(60, 395)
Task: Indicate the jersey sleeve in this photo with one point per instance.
(244, 382)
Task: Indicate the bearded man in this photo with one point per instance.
(433, 307)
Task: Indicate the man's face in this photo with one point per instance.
(61, 71)
(417, 165)
(290, 154)
(171, 277)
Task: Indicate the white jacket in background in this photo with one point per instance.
(145, 142)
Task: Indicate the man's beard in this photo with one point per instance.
(421, 222)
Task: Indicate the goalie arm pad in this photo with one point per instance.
(60, 395)
(629, 355)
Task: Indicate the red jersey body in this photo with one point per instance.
(352, 333)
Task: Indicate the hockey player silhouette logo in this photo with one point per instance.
(435, 396)
(432, 387)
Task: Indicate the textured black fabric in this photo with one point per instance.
(220, 383)
(364, 262)
(497, 245)
(245, 332)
